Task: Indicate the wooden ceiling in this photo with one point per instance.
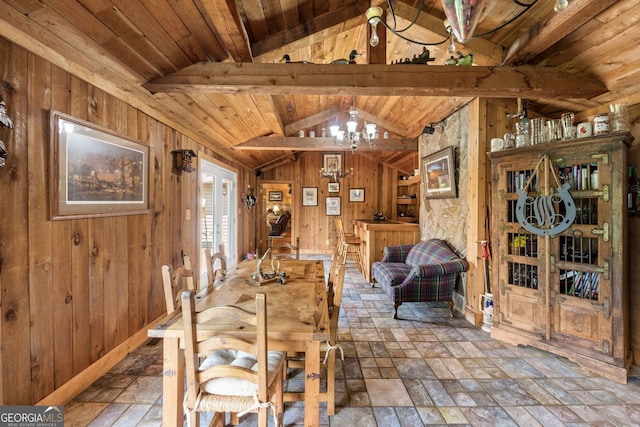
(207, 67)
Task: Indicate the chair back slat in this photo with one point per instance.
(286, 250)
(212, 260)
(175, 281)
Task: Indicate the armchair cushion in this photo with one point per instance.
(423, 272)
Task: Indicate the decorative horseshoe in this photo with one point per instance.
(543, 219)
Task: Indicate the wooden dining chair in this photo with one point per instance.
(286, 250)
(216, 265)
(239, 374)
(175, 281)
(333, 300)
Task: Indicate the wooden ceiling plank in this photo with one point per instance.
(323, 116)
(342, 16)
(156, 35)
(377, 80)
(225, 18)
(483, 50)
(270, 112)
(200, 30)
(255, 19)
(269, 143)
(553, 28)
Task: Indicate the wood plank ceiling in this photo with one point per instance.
(128, 46)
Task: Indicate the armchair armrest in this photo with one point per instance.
(395, 253)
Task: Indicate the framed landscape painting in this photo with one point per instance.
(439, 174)
(95, 172)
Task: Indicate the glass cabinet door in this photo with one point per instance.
(580, 256)
(522, 301)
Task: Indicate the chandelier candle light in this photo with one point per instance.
(352, 135)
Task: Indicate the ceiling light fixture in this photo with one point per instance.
(462, 19)
(352, 136)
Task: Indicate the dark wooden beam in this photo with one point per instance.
(266, 143)
(377, 80)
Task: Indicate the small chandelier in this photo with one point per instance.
(352, 136)
(335, 174)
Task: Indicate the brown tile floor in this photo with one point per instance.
(433, 370)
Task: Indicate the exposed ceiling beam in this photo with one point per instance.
(484, 51)
(553, 28)
(226, 19)
(377, 80)
(382, 123)
(266, 143)
(347, 17)
(321, 117)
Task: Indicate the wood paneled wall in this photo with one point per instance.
(73, 290)
(315, 228)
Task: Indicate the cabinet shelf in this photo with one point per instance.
(407, 196)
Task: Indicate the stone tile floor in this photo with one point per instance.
(432, 370)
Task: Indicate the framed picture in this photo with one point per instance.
(94, 172)
(333, 187)
(356, 195)
(309, 196)
(275, 196)
(332, 205)
(332, 161)
(439, 174)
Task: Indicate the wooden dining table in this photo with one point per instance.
(297, 321)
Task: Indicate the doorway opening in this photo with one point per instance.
(276, 220)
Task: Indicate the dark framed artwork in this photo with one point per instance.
(309, 196)
(332, 162)
(356, 195)
(95, 172)
(439, 174)
(275, 196)
(332, 205)
(333, 187)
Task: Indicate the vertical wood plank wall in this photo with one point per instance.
(315, 228)
(73, 290)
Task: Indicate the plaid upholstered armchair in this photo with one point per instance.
(423, 272)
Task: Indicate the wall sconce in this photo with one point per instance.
(183, 160)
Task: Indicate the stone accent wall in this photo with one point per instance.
(446, 219)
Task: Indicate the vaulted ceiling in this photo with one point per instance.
(214, 69)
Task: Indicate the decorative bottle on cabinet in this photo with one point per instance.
(564, 291)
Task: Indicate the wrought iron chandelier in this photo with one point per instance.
(353, 136)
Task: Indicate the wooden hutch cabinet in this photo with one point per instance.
(567, 291)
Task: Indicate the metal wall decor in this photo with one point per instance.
(541, 214)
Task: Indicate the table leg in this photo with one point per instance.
(312, 384)
(172, 382)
